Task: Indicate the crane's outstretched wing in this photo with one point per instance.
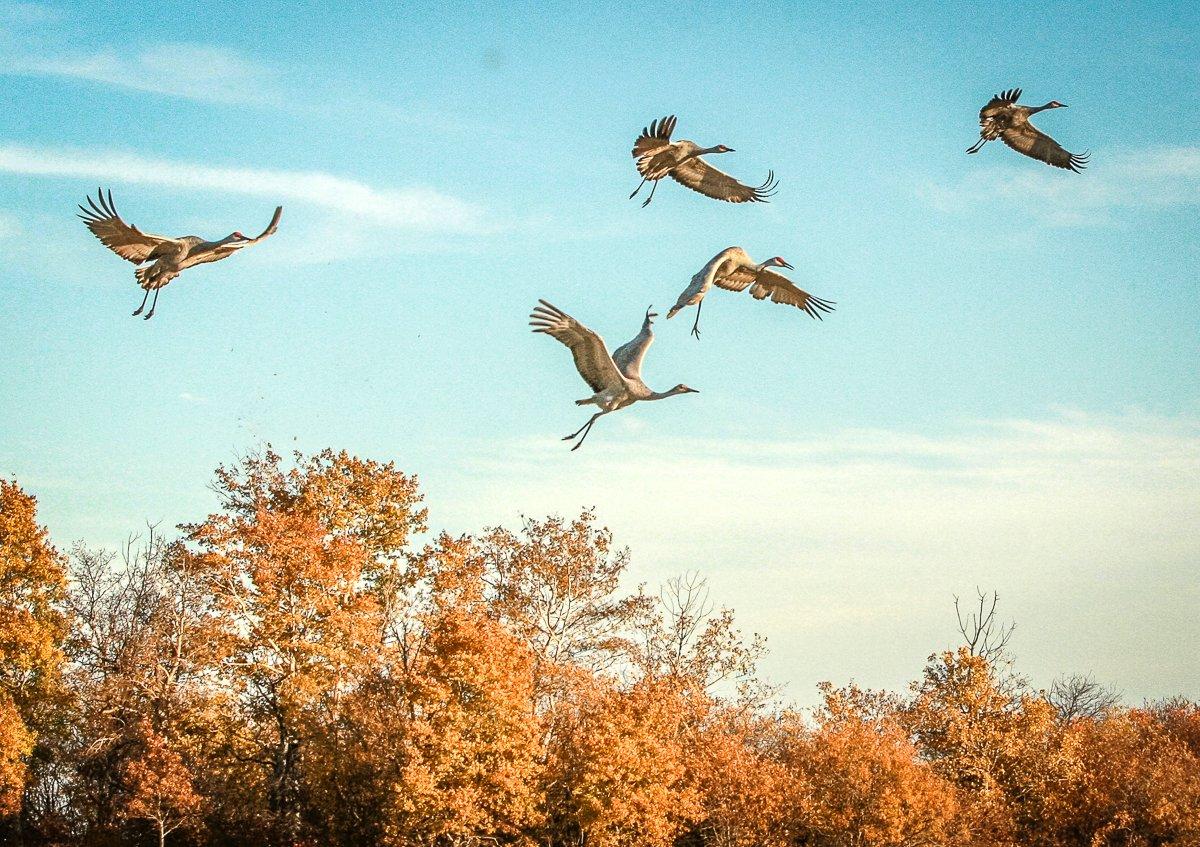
(998, 104)
(1028, 139)
(592, 360)
(629, 355)
(230, 249)
(783, 290)
(126, 241)
(700, 176)
(654, 137)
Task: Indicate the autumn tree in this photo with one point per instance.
(141, 659)
(32, 628)
(160, 789)
(860, 780)
(555, 583)
(1133, 783)
(617, 774)
(994, 740)
(744, 793)
(295, 561)
(682, 636)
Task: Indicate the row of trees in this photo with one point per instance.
(295, 670)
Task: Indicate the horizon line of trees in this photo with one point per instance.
(294, 669)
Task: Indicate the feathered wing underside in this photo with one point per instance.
(592, 359)
(629, 356)
(126, 241)
(738, 280)
(654, 137)
(999, 104)
(700, 176)
(1028, 139)
(782, 290)
(221, 252)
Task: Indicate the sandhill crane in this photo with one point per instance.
(1002, 118)
(657, 156)
(168, 257)
(616, 379)
(733, 269)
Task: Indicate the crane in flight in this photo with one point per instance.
(658, 156)
(616, 379)
(159, 259)
(734, 270)
(1003, 118)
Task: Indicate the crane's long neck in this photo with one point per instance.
(660, 395)
(1033, 110)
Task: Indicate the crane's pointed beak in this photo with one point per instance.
(788, 266)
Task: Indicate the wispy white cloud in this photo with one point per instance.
(419, 209)
(193, 71)
(825, 542)
(1154, 178)
(194, 399)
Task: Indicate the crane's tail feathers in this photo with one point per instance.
(673, 311)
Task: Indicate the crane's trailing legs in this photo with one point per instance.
(153, 303)
(975, 148)
(144, 298)
(653, 188)
(639, 188)
(585, 429)
(696, 325)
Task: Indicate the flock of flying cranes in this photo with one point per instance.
(616, 378)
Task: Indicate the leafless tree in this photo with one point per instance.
(984, 634)
(1079, 696)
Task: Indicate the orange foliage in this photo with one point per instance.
(16, 742)
(291, 672)
(618, 775)
(859, 780)
(1134, 783)
(744, 793)
(159, 785)
(32, 628)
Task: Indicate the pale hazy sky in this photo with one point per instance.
(1007, 395)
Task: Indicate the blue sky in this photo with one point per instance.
(1006, 396)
